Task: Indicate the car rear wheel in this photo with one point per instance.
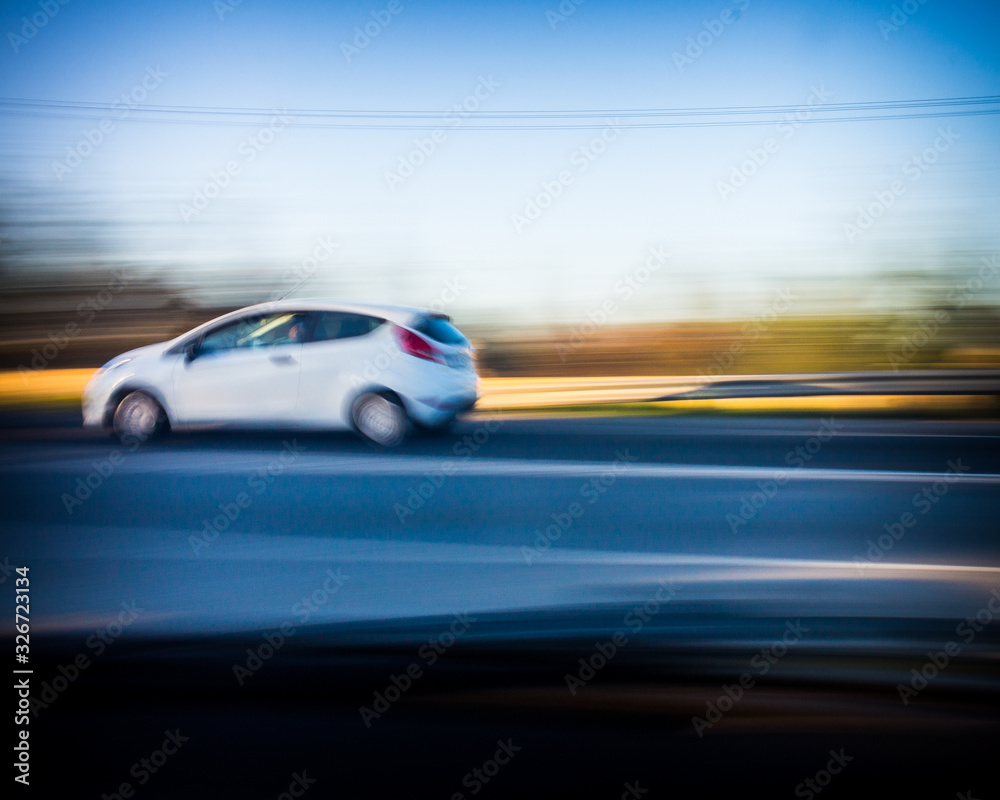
(380, 419)
(138, 417)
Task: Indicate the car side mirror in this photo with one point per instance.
(191, 352)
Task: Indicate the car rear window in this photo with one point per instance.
(440, 330)
(342, 325)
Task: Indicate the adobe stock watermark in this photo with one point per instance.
(633, 791)
(87, 310)
(476, 779)
(374, 367)
(223, 7)
(220, 179)
(927, 329)
(632, 623)
(558, 15)
(960, 296)
(427, 656)
(712, 30)
(365, 34)
(305, 270)
(297, 786)
(258, 482)
(602, 314)
(6, 570)
(902, 13)
(30, 26)
(761, 664)
(144, 769)
(757, 157)
(914, 169)
(95, 646)
(465, 448)
(750, 332)
(424, 148)
(923, 502)
(93, 138)
(751, 504)
(812, 786)
(580, 161)
(937, 662)
(591, 490)
(302, 612)
(101, 469)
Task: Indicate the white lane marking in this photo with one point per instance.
(403, 465)
(92, 542)
(414, 579)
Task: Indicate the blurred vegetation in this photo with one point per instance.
(971, 340)
(108, 312)
(67, 301)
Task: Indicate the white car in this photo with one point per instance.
(293, 363)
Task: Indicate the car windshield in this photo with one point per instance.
(256, 331)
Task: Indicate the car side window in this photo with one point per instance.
(343, 325)
(263, 330)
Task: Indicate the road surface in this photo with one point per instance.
(491, 561)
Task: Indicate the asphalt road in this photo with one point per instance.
(513, 548)
(502, 515)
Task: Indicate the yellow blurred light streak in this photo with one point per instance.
(54, 387)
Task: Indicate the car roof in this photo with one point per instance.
(401, 315)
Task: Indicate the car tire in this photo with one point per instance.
(138, 417)
(380, 418)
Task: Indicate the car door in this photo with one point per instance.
(243, 372)
(341, 347)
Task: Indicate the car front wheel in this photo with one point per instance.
(380, 419)
(138, 417)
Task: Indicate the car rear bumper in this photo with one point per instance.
(455, 404)
(439, 410)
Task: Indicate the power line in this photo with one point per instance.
(605, 125)
(567, 113)
(574, 119)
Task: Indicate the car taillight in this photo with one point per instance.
(415, 345)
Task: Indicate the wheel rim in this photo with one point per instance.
(137, 415)
(380, 420)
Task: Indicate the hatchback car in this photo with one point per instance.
(379, 370)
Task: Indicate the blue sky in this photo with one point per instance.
(456, 217)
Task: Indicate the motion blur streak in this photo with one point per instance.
(649, 520)
(587, 612)
(723, 521)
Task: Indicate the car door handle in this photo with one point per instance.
(282, 360)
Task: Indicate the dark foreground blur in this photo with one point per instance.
(495, 718)
(766, 607)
